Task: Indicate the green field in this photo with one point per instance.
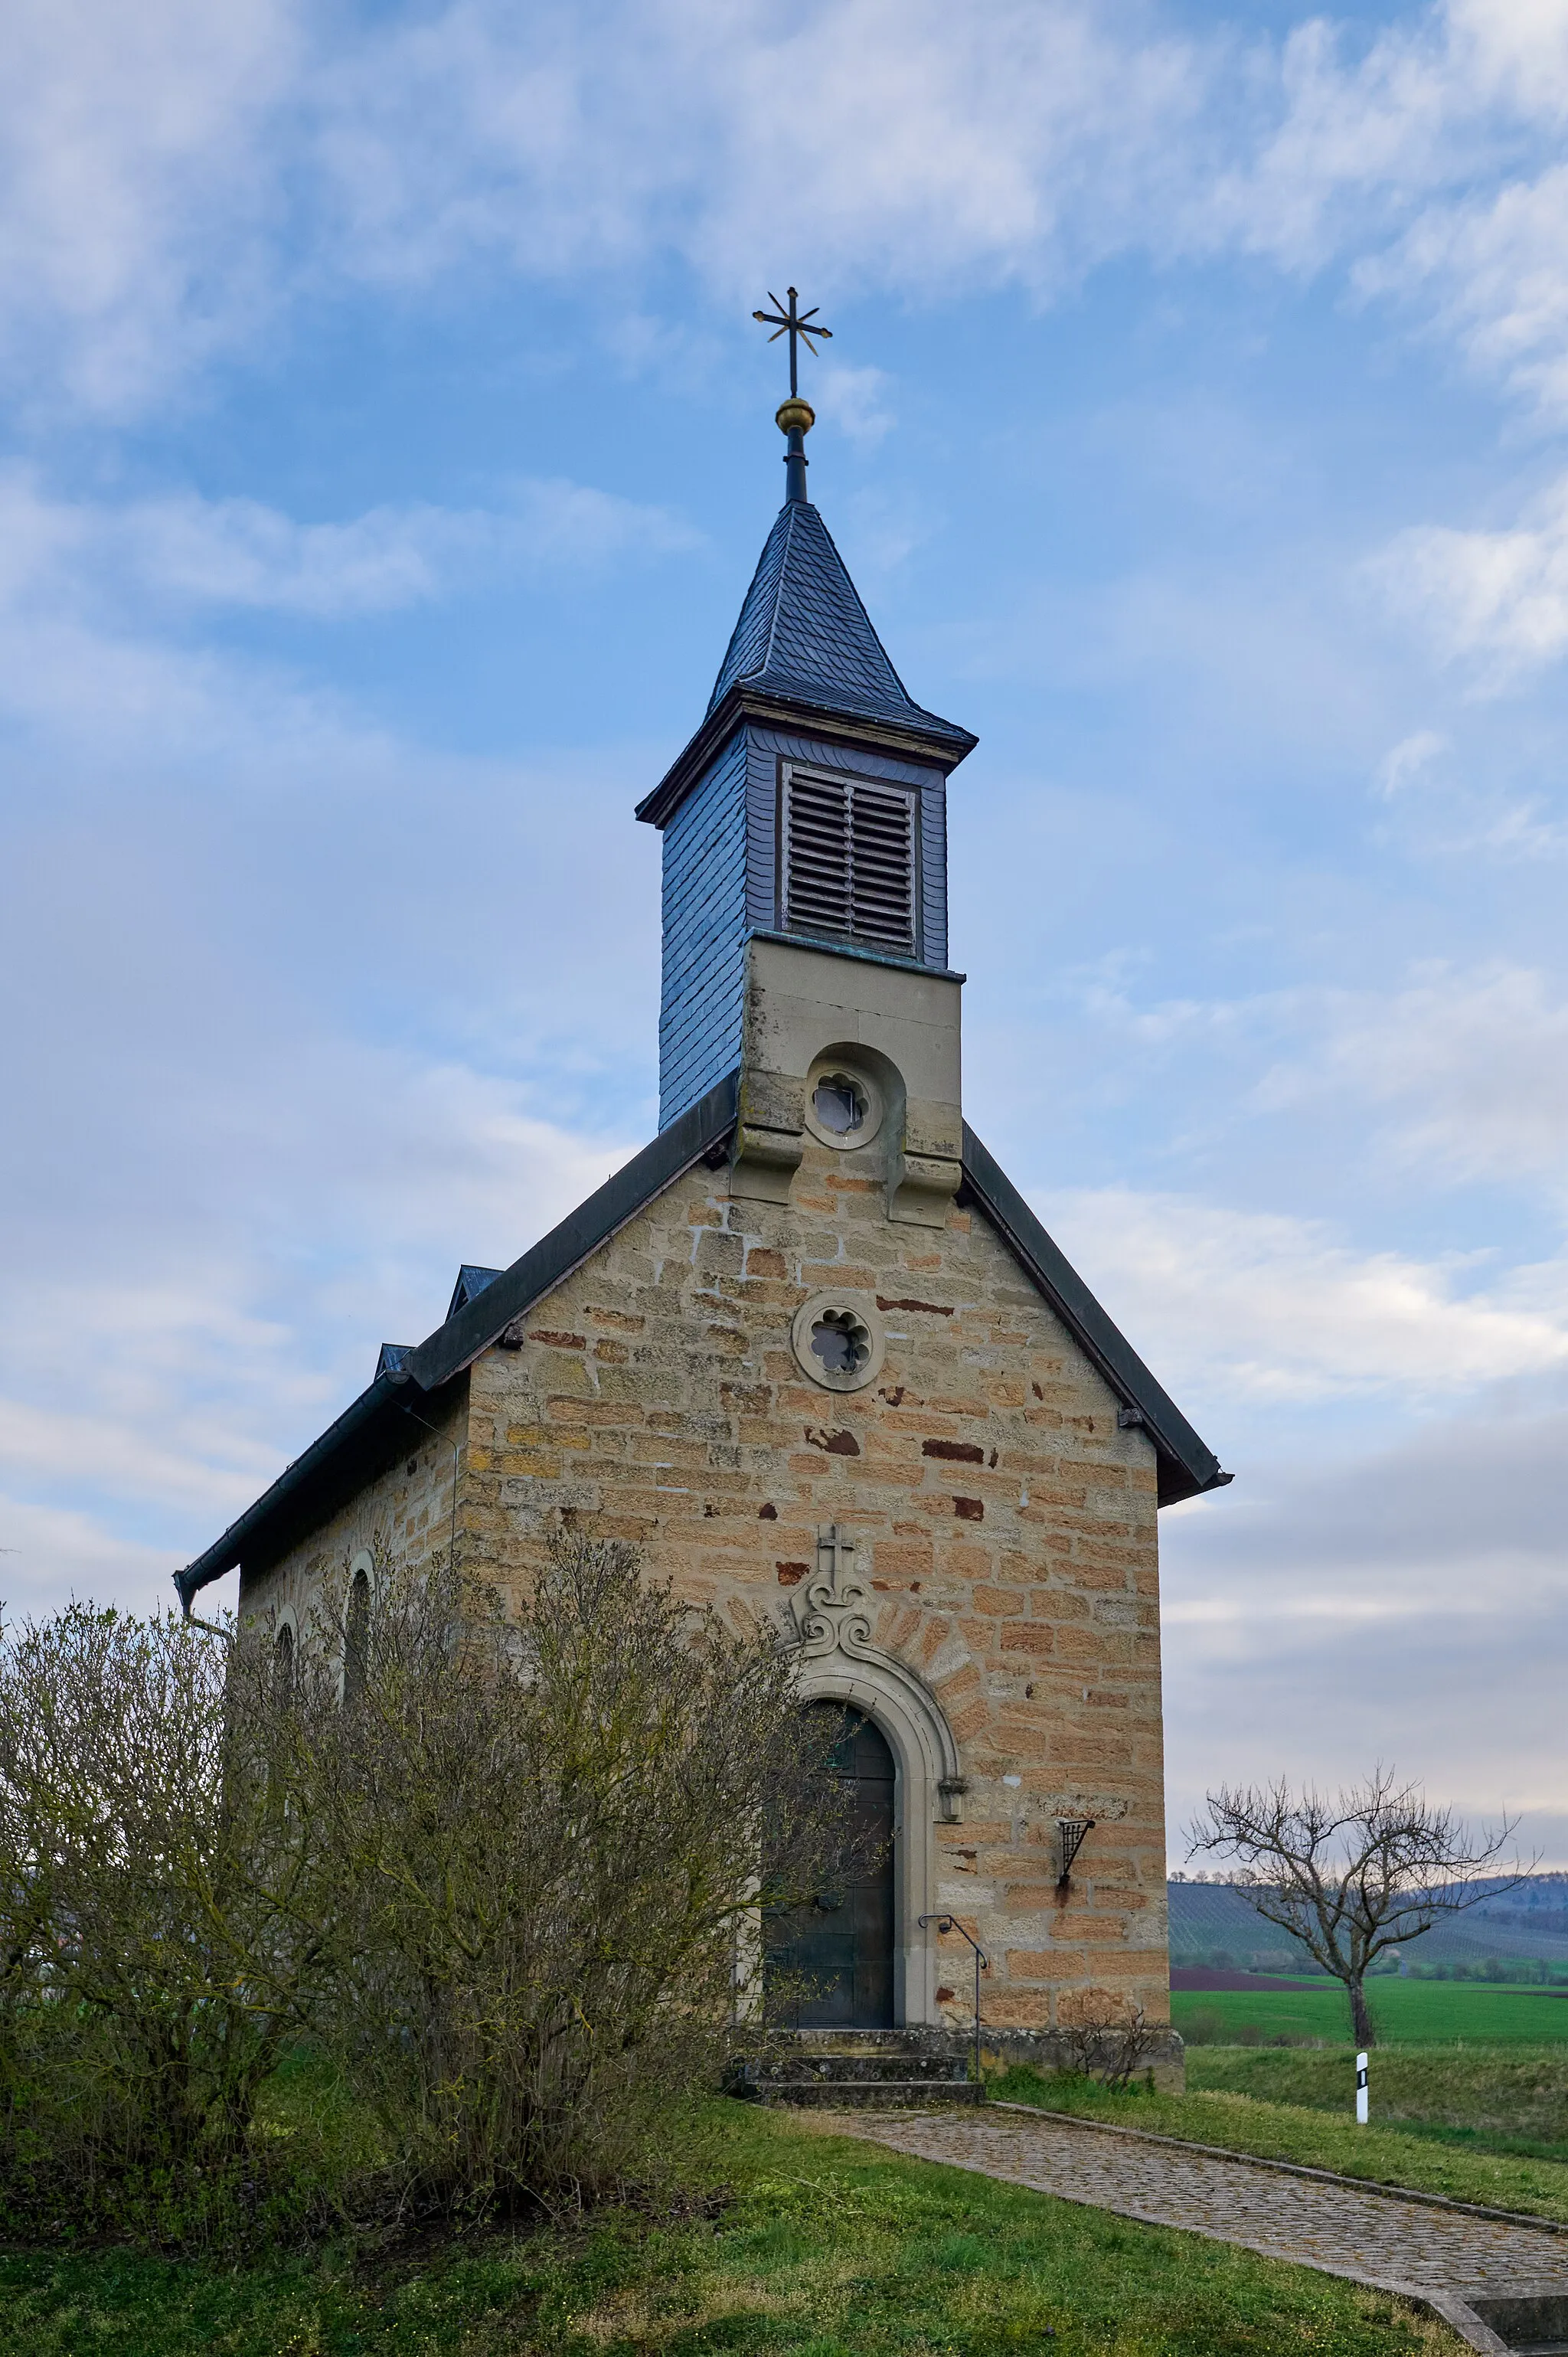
(1439, 2144)
(1498, 2099)
(817, 2247)
(1407, 2012)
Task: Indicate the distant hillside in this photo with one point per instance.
(1216, 1923)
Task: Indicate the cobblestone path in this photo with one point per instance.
(1367, 2236)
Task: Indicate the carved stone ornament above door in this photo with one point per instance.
(830, 1631)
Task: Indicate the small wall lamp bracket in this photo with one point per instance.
(1070, 1833)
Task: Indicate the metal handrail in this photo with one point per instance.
(946, 1923)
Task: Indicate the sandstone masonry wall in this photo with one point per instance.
(1005, 1524)
(402, 1517)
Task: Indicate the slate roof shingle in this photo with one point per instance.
(803, 634)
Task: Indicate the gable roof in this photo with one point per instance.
(374, 1428)
(1188, 1465)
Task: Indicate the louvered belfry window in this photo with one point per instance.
(849, 860)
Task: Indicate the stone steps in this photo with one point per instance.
(871, 2095)
(859, 2071)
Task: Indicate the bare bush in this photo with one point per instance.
(1112, 2047)
(164, 1926)
(502, 1876)
(551, 1831)
(1351, 1878)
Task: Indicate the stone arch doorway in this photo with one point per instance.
(832, 1961)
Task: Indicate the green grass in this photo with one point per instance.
(1508, 2099)
(1240, 2121)
(1404, 2011)
(828, 2248)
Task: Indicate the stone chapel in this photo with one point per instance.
(813, 1353)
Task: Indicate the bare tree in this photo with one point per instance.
(1354, 1877)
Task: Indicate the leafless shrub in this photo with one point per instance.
(165, 1925)
(1369, 1870)
(1112, 2047)
(504, 1879)
(551, 1831)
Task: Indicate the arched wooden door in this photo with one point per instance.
(831, 1961)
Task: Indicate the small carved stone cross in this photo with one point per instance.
(833, 1547)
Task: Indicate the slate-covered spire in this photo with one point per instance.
(811, 805)
(804, 636)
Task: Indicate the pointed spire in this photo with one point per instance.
(804, 637)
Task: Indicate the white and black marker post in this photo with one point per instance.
(1360, 2091)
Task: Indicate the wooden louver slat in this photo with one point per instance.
(850, 861)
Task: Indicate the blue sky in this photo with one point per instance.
(387, 446)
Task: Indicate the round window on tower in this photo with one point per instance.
(843, 1105)
(839, 1340)
(839, 1105)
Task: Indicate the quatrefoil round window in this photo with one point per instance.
(839, 1103)
(839, 1340)
(844, 1106)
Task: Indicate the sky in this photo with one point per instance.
(386, 446)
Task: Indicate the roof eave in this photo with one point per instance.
(371, 1420)
(943, 748)
(1187, 1466)
(350, 1435)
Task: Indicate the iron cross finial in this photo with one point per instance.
(793, 324)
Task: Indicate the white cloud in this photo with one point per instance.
(174, 176)
(855, 400)
(225, 1324)
(50, 1554)
(237, 551)
(1472, 1065)
(243, 1188)
(1453, 1074)
(1405, 764)
(928, 144)
(1498, 599)
(1407, 1603)
(140, 196)
(1259, 1306)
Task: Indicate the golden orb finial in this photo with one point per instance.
(794, 416)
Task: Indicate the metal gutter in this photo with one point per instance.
(225, 1551)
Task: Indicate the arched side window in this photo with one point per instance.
(283, 1661)
(357, 1628)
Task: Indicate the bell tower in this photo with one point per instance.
(805, 865)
